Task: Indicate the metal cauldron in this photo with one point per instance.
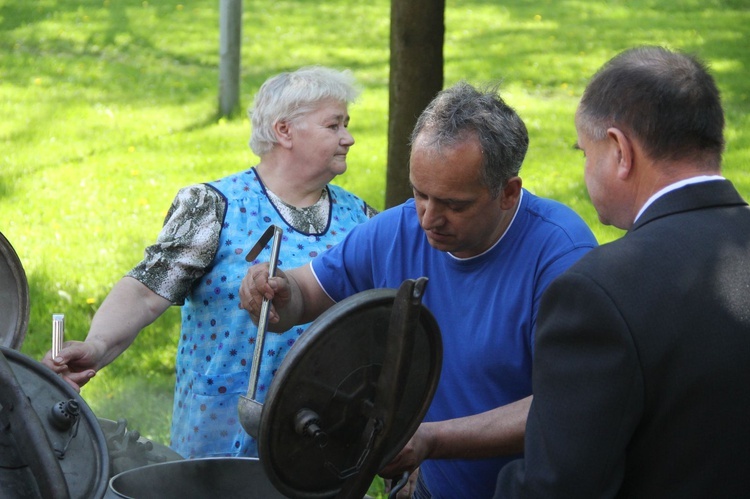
(52, 445)
(224, 477)
(348, 395)
(227, 478)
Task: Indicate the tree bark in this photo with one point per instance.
(416, 76)
(230, 41)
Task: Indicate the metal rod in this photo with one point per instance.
(263, 317)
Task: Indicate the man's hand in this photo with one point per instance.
(256, 286)
(416, 450)
(408, 490)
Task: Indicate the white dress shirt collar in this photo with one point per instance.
(675, 186)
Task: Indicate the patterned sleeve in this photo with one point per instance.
(370, 211)
(186, 246)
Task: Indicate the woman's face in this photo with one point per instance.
(321, 140)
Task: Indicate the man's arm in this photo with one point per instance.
(497, 432)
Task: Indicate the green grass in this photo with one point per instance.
(108, 107)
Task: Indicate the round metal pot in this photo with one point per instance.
(225, 477)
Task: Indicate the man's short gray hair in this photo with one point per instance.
(462, 110)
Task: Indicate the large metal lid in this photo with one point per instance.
(350, 393)
(14, 297)
(51, 445)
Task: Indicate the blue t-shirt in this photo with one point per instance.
(485, 306)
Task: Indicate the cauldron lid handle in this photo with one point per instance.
(402, 327)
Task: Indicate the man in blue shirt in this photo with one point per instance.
(489, 248)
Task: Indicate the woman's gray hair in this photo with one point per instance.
(290, 95)
(462, 110)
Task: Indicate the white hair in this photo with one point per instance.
(291, 95)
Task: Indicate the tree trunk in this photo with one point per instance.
(230, 41)
(417, 34)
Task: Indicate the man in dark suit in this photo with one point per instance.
(641, 372)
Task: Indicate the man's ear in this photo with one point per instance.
(283, 132)
(623, 148)
(511, 192)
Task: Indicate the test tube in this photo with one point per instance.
(58, 332)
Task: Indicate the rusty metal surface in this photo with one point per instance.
(14, 297)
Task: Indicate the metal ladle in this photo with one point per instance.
(248, 408)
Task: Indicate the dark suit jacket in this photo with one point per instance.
(641, 373)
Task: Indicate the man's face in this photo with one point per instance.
(454, 207)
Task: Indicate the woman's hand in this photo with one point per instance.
(76, 362)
